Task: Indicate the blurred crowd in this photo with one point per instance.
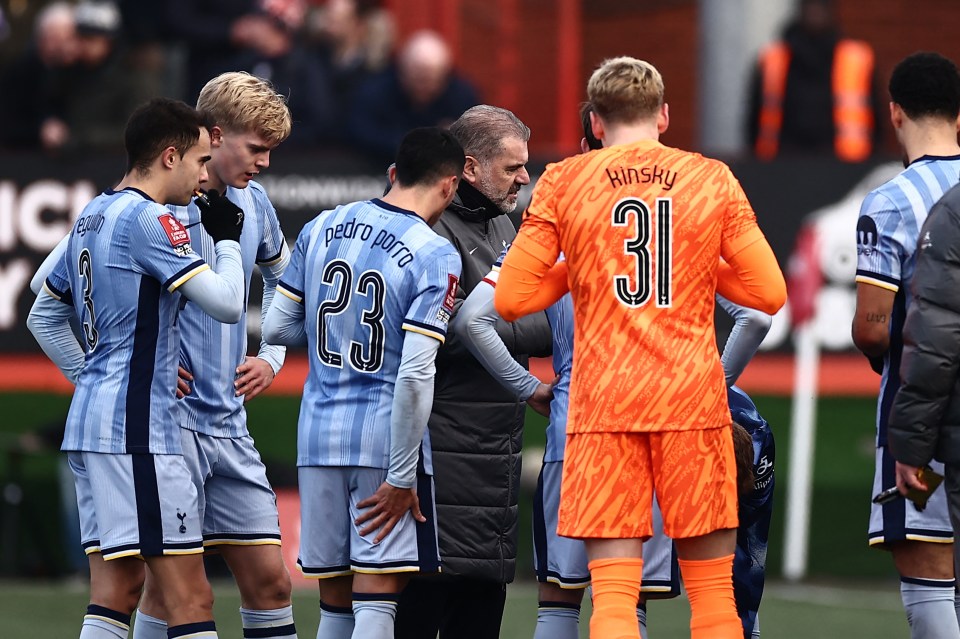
(85, 65)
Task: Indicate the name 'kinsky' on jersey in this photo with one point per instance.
(645, 175)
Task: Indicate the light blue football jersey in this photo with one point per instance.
(887, 237)
(209, 349)
(365, 273)
(125, 259)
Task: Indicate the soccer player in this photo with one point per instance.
(237, 505)
(643, 258)
(925, 103)
(561, 563)
(127, 261)
(370, 289)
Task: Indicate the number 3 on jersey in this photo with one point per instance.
(636, 212)
(90, 334)
(339, 275)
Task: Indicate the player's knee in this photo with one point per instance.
(272, 589)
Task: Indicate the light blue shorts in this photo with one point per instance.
(330, 543)
(237, 504)
(136, 505)
(899, 520)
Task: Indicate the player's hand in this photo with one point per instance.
(183, 382)
(253, 377)
(221, 218)
(386, 507)
(541, 398)
(907, 478)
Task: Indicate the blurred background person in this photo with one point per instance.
(354, 40)
(420, 89)
(814, 92)
(101, 90)
(33, 119)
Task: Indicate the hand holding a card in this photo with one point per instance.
(917, 484)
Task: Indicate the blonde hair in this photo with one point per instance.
(626, 90)
(238, 101)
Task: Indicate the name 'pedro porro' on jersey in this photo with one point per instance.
(365, 273)
(643, 227)
(125, 260)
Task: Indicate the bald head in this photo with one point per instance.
(55, 32)
(425, 63)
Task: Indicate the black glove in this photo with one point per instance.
(221, 218)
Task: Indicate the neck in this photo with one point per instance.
(143, 183)
(615, 134)
(937, 138)
(411, 199)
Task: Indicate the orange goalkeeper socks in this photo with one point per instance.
(616, 590)
(713, 612)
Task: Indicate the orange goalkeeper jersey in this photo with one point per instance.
(643, 227)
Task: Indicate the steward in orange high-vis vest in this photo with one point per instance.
(851, 87)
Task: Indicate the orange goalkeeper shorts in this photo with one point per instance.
(609, 479)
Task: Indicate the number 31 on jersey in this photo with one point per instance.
(651, 250)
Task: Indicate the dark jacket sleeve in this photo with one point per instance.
(931, 336)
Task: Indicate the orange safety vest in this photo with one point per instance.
(853, 119)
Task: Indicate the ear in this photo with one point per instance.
(596, 124)
(584, 146)
(896, 115)
(216, 136)
(392, 174)
(449, 186)
(169, 157)
(663, 118)
(471, 170)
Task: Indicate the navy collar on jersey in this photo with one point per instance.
(923, 158)
(132, 189)
(391, 207)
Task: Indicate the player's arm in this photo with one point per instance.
(476, 324)
(531, 279)
(752, 278)
(49, 322)
(749, 328)
(219, 294)
(871, 320)
(36, 284)
(256, 374)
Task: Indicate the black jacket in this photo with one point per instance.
(925, 420)
(476, 424)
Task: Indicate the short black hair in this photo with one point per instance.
(158, 124)
(926, 84)
(592, 142)
(428, 154)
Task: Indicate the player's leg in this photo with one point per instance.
(661, 572)
(382, 570)
(150, 622)
(922, 549)
(325, 529)
(241, 520)
(688, 465)
(114, 591)
(422, 605)
(560, 562)
(606, 501)
(115, 585)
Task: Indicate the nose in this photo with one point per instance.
(204, 175)
(523, 177)
(263, 161)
